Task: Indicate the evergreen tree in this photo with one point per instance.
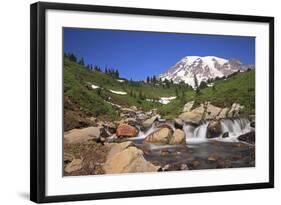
(72, 57)
(81, 61)
(147, 79)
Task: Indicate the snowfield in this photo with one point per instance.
(118, 92)
(121, 81)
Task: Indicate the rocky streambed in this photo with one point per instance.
(206, 137)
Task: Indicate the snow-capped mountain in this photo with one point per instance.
(204, 68)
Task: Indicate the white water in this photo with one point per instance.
(234, 127)
(142, 134)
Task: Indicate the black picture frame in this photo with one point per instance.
(38, 101)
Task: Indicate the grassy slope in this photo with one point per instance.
(238, 88)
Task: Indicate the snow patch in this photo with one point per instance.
(95, 86)
(166, 100)
(118, 92)
(121, 81)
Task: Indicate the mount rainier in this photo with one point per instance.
(204, 68)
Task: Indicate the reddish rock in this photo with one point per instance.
(125, 130)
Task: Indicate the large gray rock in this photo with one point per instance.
(188, 106)
(161, 136)
(73, 166)
(214, 129)
(129, 160)
(148, 123)
(82, 135)
(223, 113)
(211, 111)
(194, 116)
(235, 110)
(178, 137)
(178, 123)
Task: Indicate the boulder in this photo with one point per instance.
(178, 123)
(188, 106)
(223, 113)
(214, 129)
(211, 111)
(191, 117)
(148, 123)
(225, 135)
(125, 130)
(82, 135)
(115, 148)
(235, 110)
(161, 136)
(134, 108)
(73, 166)
(129, 160)
(67, 157)
(178, 137)
(249, 137)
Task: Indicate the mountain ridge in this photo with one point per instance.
(204, 68)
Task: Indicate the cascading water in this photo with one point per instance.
(234, 128)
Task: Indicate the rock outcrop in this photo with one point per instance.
(128, 160)
(82, 135)
(177, 138)
(125, 130)
(161, 136)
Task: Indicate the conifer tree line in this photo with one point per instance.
(109, 71)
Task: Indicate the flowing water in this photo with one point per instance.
(201, 152)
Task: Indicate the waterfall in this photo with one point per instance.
(142, 134)
(234, 127)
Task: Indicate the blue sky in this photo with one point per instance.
(140, 54)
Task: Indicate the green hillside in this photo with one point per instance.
(80, 97)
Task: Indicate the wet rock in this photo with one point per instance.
(178, 137)
(213, 157)
(178, 123)
(148, 123)
(253, 124)
(184, 167)
(225, 135)
(164, 152)
(174, 167)
(125, 130)
(224, 164)
(128, 161)
(195, 164)
(73, 166)
(110, 126)
(188, 106)
(214, 129)
(82, 135)
(161, 136)
(249, 137)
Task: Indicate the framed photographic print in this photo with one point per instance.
(129, 102)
